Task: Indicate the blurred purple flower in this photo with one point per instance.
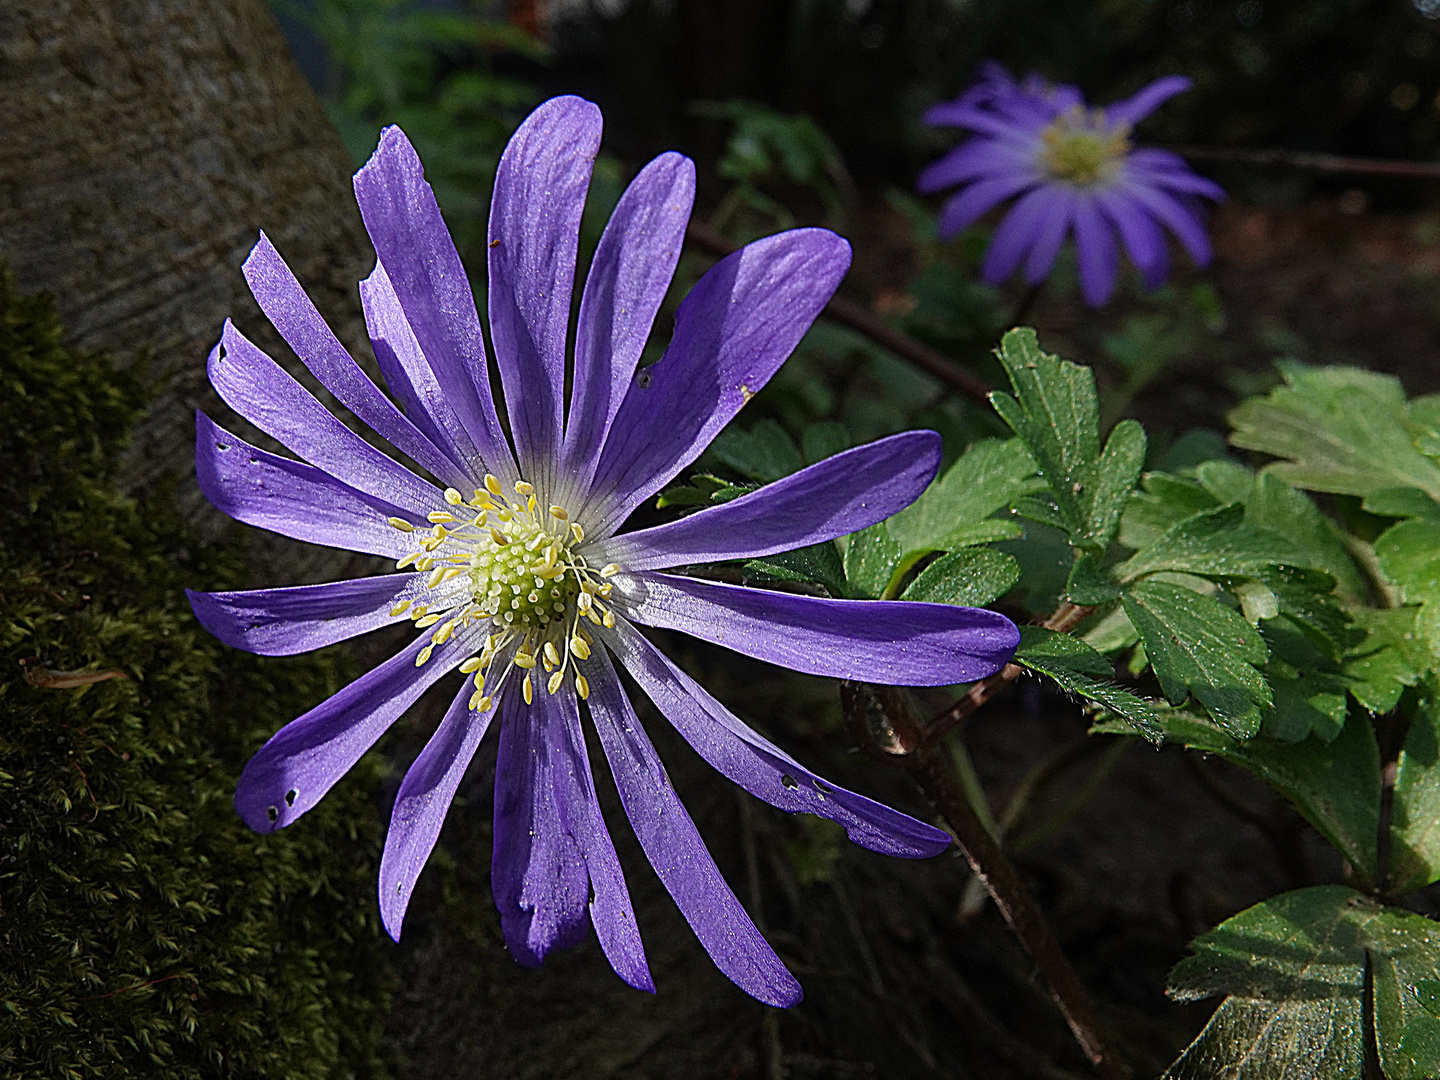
(1073, 169)
(514, 573)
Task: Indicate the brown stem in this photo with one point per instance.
(863, 322)
(883, 718)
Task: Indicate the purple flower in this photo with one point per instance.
(513, 571)
(1073, 169)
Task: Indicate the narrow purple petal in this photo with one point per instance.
(677, 852)
(968, 206)
(537, 869)
(971, 161)
(290, 497)
(409, 377)
(262, 392)
(539, 196)
(1050, 234)
(422, 803)
(835, 497)
(1142, 237)
(1149, 98)
(628, 279)
(1017, 233)
(760, 767)
(1095, 248)
(410, 238)
(304, 759)
(732, 332)
(1182, 220)
(1153, 159)
(284, 622)
(895, 642)
(290, 311)
(971, 117)
(1182, 183)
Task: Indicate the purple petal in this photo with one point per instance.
(1095, 249)
(303, 760)
(1017, 233)
(1142, 237)
(290, 311)
(262, 392)
(1149, 98)
(835, 497)
(676, 850)
(761, 768)
(407, 374)
(537, 874)
(1180, 219)
(1050, 234)
(1182, 183)
(735, 328)
(894, 642)
(284, 622)
(971, 117)
(628, 278)
(410, 238)
(968, 206)
(424, 799)
(971, 161)
(539, 196)
(290, 497)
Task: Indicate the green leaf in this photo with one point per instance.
(1161, 502)
(1403, 502)
(1409, 555)
(823, 440)
(1213, 543)
(1334, 786)
(871, 561)
(1090, 583)
(1341, 430)
(1198, 646)
(1415, 812)
(1387, 660)
(953, 511)
(703, 490)
(1305, 704)
(1404, 953)
(1055, 413)
(1082, 672)
(818, 563)
(765, 453)
(970, 577)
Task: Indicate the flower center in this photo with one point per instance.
(1081, 147)
(518, 567)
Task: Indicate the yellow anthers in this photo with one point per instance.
(426, 620)
(453, 497)
(583, 602)
(577, 532)
(492, 485)
(524, 488)
(436, 576)
(528, 689)
(439, 532)
(608, 621)
(407, 560)
(530, 504)
(582, 686)
(479, 702)
(479, 680)
(424, 655)
(470, 666)
(551, 653)
(399, 609)
(606, 589)
(401, 524)
(443, 632)
(430, 543)
(500, 538)
(559, 512)
(424, 564)
(555, 681)
(419, 610)
(579, 648)
(524, 660)
(438, 516)
(611, 570)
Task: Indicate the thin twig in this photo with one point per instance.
(137, 986)
(876, 329)
(1301, 159)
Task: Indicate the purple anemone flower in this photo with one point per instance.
(512, 569)
(1070, 169)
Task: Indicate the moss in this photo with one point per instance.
(144, 930)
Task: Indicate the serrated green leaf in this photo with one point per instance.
(819, 564)
(955, 510)
(1213, 543)
(1161, 502)
(1090, 583)
(1340, 429)
(1335, 786)
(1409, 555)
(1198, 646)
(1305, 704)
(1387, 660)
(1415, 811)
(871, 561)
(766, 452)
(1055, 413)
(970, 577)
(1404, 951)
(1304, 596)
(1082, 672)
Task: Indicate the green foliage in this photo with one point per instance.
(147, 931)
(1083, 672)
(971, 577)
(1415, 810)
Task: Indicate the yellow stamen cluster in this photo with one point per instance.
(1080, 146)
(523, 575)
